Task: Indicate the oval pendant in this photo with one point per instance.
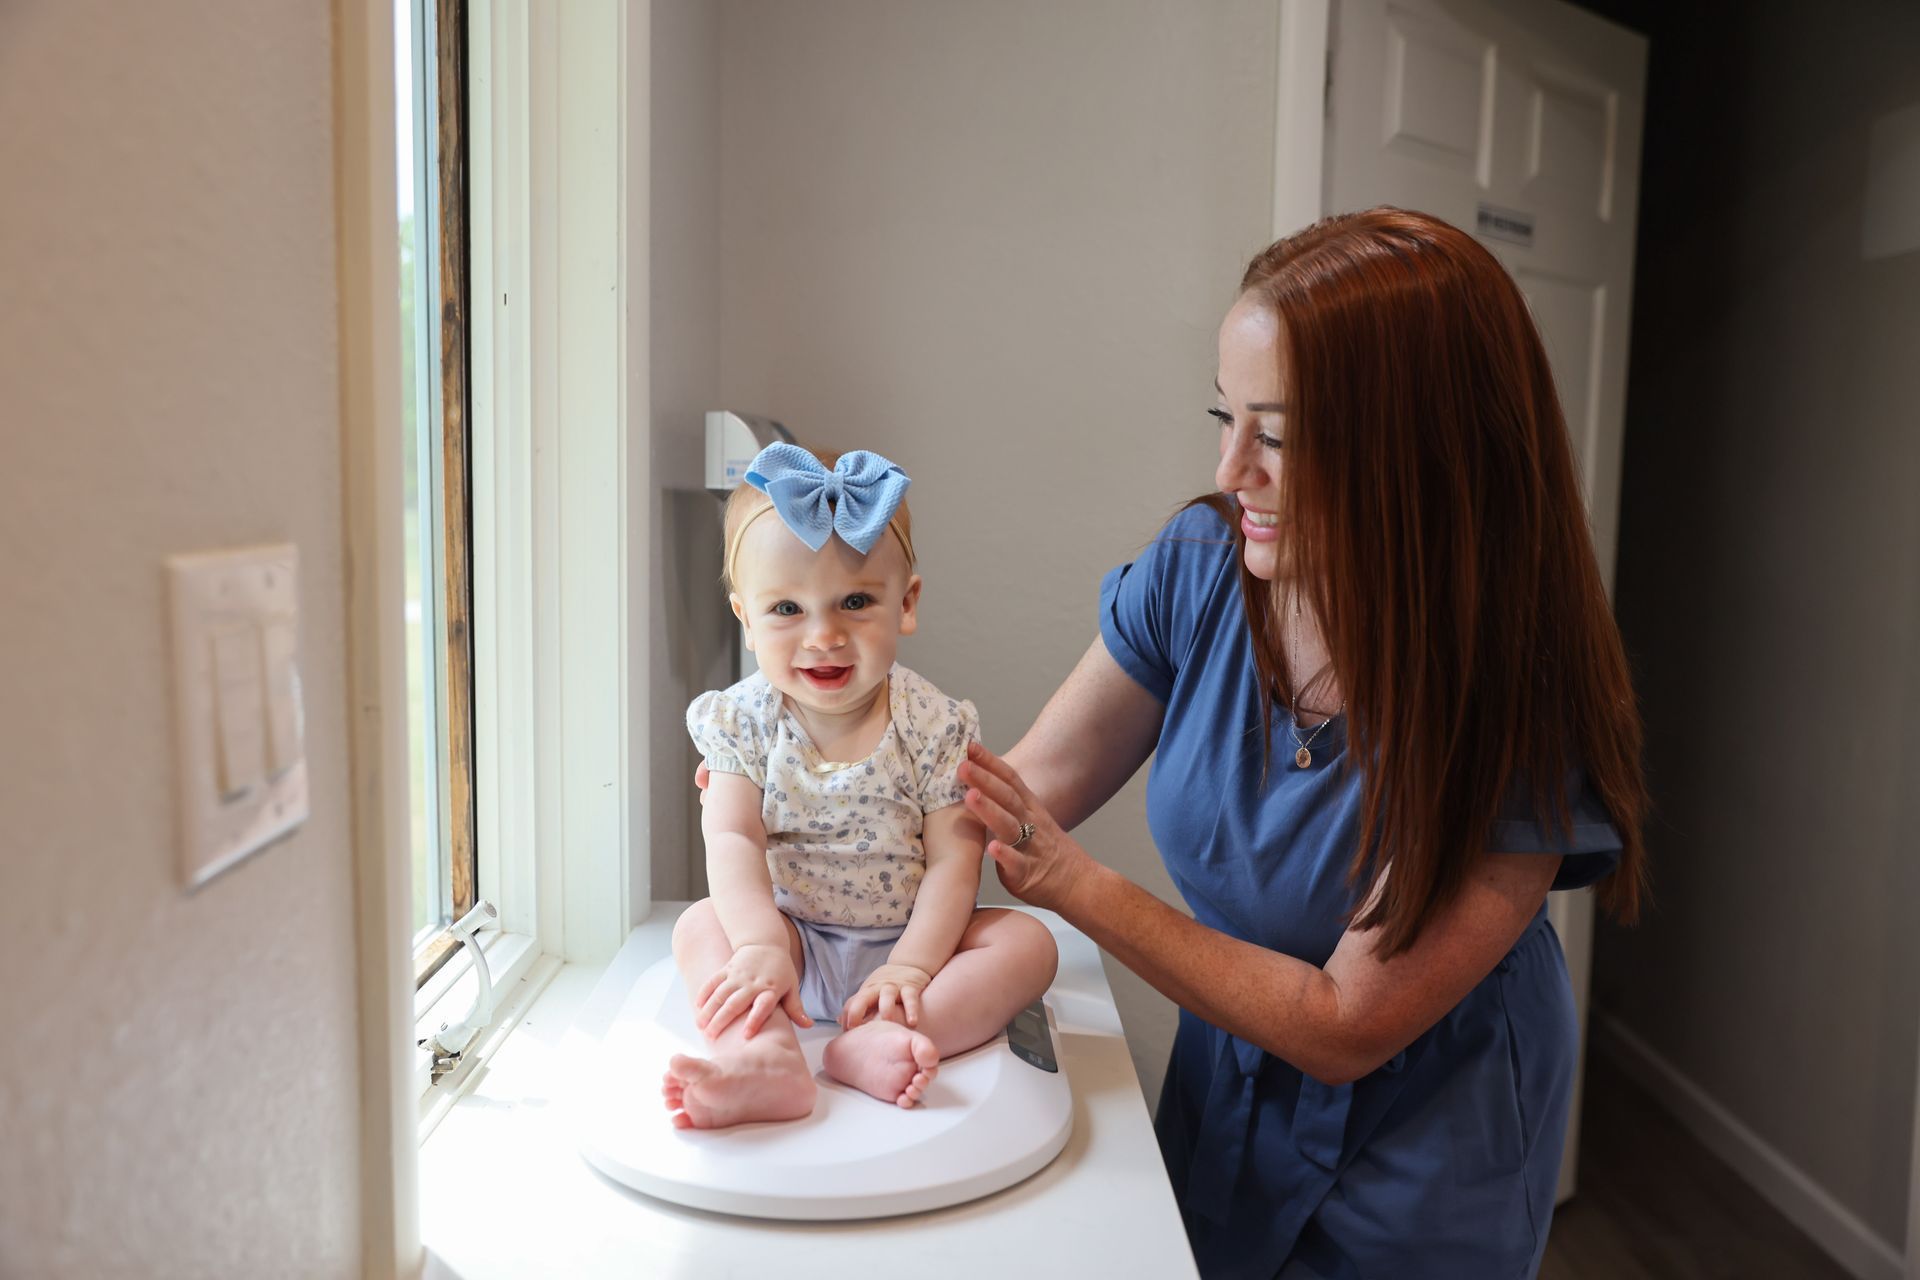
(1303, 757)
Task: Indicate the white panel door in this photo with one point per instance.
(1518, 120)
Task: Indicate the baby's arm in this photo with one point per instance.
(954, 841)
(760, 975)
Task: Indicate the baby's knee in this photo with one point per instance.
(1037, 941)
(1028, 941)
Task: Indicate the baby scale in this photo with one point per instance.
(992, 1116)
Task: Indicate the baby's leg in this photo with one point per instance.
(765, 1078)
(1005, 961)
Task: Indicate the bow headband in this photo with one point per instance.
(857, 499)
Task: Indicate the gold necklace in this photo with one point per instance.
(1302, 756)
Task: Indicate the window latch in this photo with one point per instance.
(451, 1042)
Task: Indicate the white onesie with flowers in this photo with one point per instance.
(843, 838)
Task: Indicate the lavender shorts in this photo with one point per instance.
(838, 960)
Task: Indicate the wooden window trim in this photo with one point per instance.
(450, 61)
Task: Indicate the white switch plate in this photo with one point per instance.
(242, 771)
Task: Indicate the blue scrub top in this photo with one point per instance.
(1443, 1161)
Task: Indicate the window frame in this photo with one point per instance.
(371, 474)
(560, 648)
(440, 180)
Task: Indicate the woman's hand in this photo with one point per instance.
(889, 987)
(757, 980)
(1049, 864)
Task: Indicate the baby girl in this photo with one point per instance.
(842, 864)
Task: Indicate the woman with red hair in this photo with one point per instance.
(1389, 712)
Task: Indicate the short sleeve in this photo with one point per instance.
(937, 730)
(728, 734)
(945, 755)
(1589, 850)
(1150, 610)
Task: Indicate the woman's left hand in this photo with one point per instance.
(1049, 864)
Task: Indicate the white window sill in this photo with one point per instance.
(519, 973)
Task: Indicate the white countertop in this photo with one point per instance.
(504, 1193)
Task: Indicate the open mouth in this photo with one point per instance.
(1259, 526)
(826, 677)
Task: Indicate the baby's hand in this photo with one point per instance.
(888, 986)
(755, 981)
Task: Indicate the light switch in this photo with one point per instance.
(278, 652)
(239, 725)
(240, 761)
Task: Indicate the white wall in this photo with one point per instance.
(179, 1085)
(993, 241)
(1769, 591)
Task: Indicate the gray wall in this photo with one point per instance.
(179, 1080)
(994, 242)
(1769, 590)
(692, 629)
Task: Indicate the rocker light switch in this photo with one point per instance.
(238, 722)
(240, 768)
(283, 694)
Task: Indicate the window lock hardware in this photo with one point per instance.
(451, 1042)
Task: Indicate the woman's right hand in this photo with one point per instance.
(701, 776)
(756, 981)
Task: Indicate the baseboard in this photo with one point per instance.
(1801, 1200)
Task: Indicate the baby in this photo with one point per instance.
(842, 864)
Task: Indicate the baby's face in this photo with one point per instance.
(825, 624)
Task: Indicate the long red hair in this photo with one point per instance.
(1438, 531)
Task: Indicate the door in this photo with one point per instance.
(1518, 120)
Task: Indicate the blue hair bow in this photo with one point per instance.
(855, 500)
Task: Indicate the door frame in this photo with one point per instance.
(1300, 116)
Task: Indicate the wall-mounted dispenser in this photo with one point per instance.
(732, 440)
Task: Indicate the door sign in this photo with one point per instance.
(1510, 225)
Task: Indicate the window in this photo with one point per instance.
(498, 507)
(430, 112)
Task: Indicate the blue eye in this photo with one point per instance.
(787, 609)
(858, 600)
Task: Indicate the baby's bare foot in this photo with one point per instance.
(736, 1088)
(885, 1059)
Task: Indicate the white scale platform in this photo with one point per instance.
(988, 1120)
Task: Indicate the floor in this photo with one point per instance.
(1654, 1204)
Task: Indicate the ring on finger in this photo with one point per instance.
(1026, 833)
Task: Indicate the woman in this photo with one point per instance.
(1389, 711)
